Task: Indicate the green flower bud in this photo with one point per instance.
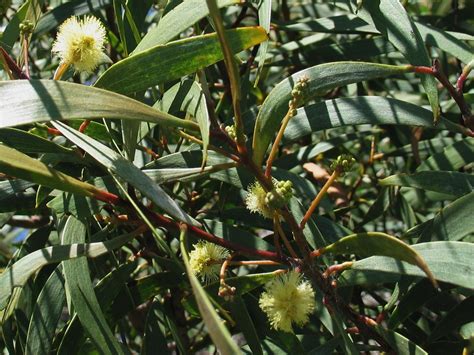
(343, 164)
(26, 28)
(231, 132)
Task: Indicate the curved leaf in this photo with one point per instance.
(219, 334)
(176, 21)
(79, 288)
(449, 262)
(455, 318)
(190, 98)
(19, 273)
(322, 78)
(446, 182)
(125, 169)
(362, 110)
(19, 165)
(57, 15)
(376, 243)
(453, 222)
(453, 157)
(46, 314)
(163, 63)
(392, 21)
(29, 101)
(30, 143)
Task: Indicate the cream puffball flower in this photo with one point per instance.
(206, 259)
(81, 43)
(255, 200)
(288, 299)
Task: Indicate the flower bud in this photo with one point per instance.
(343, 163)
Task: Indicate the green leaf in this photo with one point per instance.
(18, 274)
(188, 96)
(323, 78)
(446, 182)
(154, 340)
(362, 110)
(176, 21)
(376, 243)
(52, 19)
(400, 344)
(412, 301)
(219, 334)
(453, 222)
(453, 157)
(444, 40)
(391, 19)
(22, 166)
(163, 63)
(241, 315)
(46, 313)
(29, 101)
(30, 143)
(125, 169)
(80, 290)
(106, 290)
(264, 20)
(449, 262)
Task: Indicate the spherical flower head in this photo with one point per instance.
(206, 259)
(288, 299)
(81, 43)
(256, 200)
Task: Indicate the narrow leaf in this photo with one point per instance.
(188, 95)
(373, 110)
(322, 78)
(125, 169)
(446, 182)
(29, 101)
(46, 314)
(83, 298)
(163, 63)
(19, 273)
(218, 333)
(375, 243)
(391, 19)
(450, 262)
(22, 166)
(453, 222)
(176, 21)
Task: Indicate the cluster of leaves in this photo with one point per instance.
(109, 178)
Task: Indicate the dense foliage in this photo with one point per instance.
(236, 176)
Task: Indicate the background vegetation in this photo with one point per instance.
(108, 179)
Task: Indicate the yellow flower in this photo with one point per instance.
(260, 201)
(81, 43)
(288, 300)
(256, 201)
(206, 259)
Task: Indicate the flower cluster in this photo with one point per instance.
(343, 164)
(205, 260)
(280, 195)
(231, 132)
(260, 201)
(81, 43)
(288, 299)
(297, 94)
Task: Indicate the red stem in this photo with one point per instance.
(202, 234)
(16, 70)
